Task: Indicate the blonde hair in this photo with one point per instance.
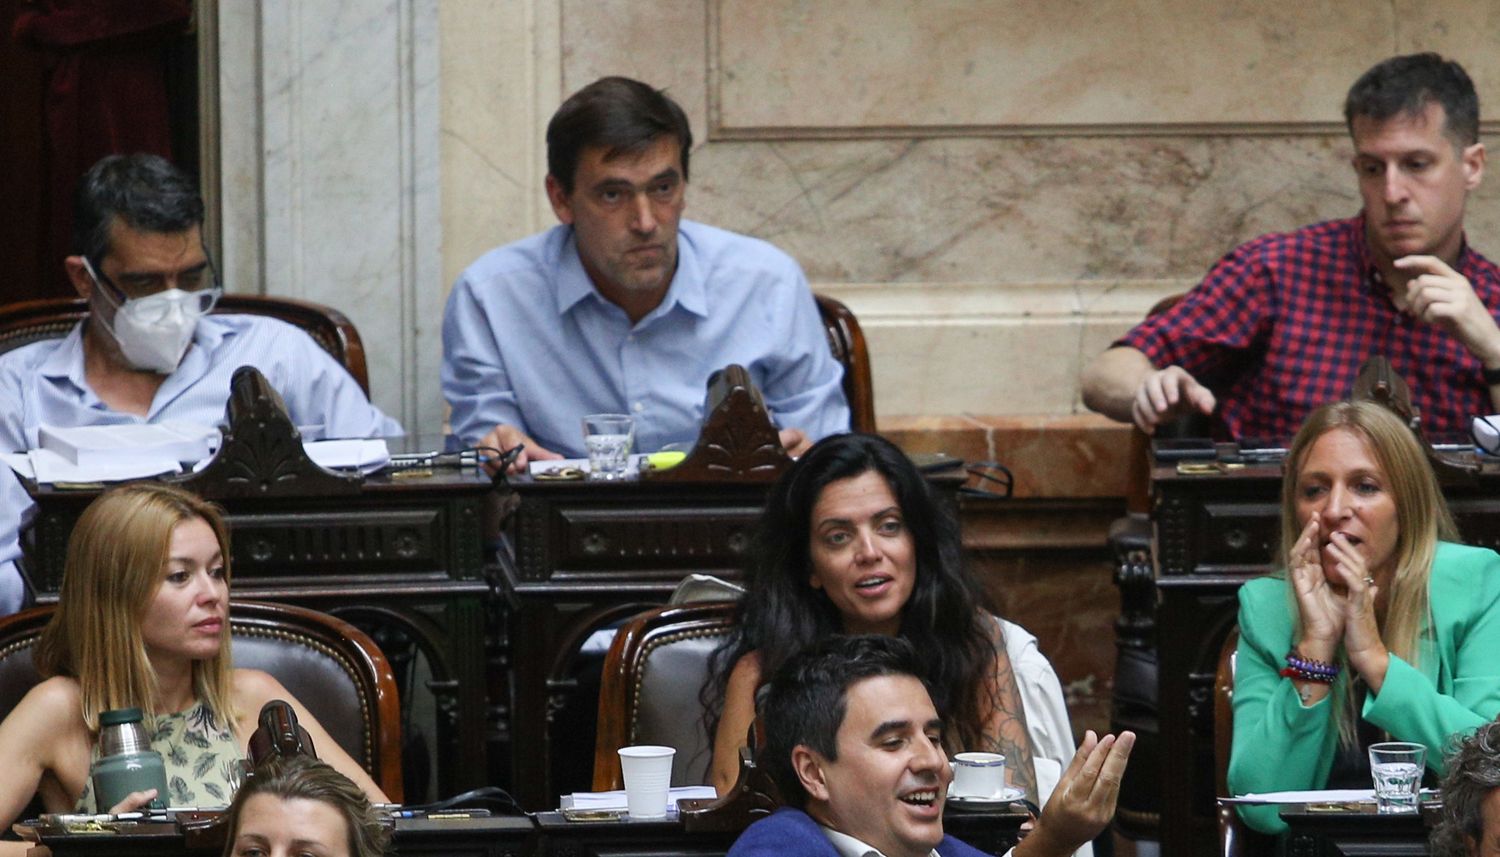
(288, 778)
(1422, 519)
(116, 556)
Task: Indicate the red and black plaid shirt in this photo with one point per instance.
(1282, 324)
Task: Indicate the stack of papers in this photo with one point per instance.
(1306, 796)
(367, 456)
(616, 799)
(86, 454)
(96, 446)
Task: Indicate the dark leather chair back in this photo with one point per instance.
(847, 342)
(653, 675)
(331, 667)
(51, 318)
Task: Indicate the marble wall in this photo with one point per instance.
(1010, 182)
(329, 175)
(1007, 182)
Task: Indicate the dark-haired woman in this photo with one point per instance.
(853, 541)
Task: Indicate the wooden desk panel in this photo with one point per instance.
(580, 555)
(1366, 833)
(479, 837)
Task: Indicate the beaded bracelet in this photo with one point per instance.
(1308, 669)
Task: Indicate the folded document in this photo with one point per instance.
(616, 799)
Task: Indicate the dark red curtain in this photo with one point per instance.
(104, 90)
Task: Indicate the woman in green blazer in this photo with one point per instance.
(1379, 628)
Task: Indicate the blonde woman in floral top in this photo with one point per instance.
(143, 621)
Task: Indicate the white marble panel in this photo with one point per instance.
(500, 84)
(334, 187)
(997, 349)
(790, 66)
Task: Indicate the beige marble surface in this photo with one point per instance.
(987, 267)
(790, 65)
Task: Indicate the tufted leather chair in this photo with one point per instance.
(653, 675)
(329, 665)
(52, 318)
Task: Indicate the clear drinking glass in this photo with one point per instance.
(1396, 767)
(608, 439)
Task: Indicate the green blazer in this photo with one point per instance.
(1281, 745)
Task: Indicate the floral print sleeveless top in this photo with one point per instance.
(201, 758)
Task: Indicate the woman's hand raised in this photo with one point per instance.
(1323, 610)
(1362, 643)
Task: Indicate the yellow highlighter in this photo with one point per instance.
(665, 460)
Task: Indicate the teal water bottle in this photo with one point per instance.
(126, 762)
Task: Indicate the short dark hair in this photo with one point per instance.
(805, 701)
(145, 191)
(1473, 772)
(624, 115)
(1405, 85)
(307, 778)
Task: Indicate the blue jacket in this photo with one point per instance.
(793, 833)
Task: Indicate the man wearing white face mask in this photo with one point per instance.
(148, 351)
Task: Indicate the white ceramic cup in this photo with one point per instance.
(978, 774)
(648, 775)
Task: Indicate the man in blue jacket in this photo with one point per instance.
(856, 747)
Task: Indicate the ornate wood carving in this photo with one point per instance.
(262, 454)
(753, 797)
(738, 443)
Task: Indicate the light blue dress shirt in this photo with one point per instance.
(529, 342)
(44, 383)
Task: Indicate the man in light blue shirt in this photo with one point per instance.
(626, 308)
(147, 352)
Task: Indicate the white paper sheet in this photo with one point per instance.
(616, 799)
(1309, 796)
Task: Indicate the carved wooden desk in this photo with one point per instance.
(1316, 832)
(1213, 532)
(991, 832)
(401, 557)
(478, 837)
(580, 555)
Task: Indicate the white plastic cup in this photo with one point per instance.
(648, 776)
(980, 775)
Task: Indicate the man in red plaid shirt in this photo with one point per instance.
(1283, 323)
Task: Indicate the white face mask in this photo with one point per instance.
(154, 331)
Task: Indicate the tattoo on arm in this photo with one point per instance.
(1005, 727)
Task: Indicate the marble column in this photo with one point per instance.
(329, 175)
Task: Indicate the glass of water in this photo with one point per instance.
(608, 438)
(1397, 768)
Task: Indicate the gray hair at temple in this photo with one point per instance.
(146, 192)
(1473, 773)
(1405, 85)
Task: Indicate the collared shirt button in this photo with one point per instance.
(639, 407)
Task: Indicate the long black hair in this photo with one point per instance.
(781, 613)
